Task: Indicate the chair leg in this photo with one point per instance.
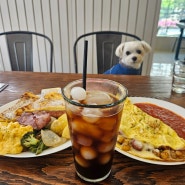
(178, 45)
(173, 48)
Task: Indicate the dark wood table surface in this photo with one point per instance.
(58, 168)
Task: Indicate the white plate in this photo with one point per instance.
(30, 154)
(170, 106)
(45, 152)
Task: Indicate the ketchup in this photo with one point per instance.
(176, 122)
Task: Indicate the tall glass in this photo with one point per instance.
(94, 124)
(178, 83)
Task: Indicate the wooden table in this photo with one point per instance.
(58, 168)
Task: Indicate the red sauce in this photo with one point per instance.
(170, 118)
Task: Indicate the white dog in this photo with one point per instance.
(131, 56)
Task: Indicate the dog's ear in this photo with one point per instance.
(119, 50)
(146, 46)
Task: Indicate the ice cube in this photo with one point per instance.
(107, 136)
(88, 153)
(84, 140)
(108, 123)
(104, 158)
(81, 161)
(91, 115)
(89, 130)
(73, 108)
(105, 147)
(98, 97)
(78, 93)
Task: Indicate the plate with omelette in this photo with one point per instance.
(34, 125)
(152, 131)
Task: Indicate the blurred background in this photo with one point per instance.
(171, 11)
(64, 20)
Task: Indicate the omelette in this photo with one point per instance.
(147, 137)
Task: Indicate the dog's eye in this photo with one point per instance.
(127, 52)
(138, 51)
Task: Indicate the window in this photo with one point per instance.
(171, 12)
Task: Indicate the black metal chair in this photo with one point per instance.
(106, 44)
(20, 49)
(180, 39)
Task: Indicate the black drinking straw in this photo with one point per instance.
(85, 63)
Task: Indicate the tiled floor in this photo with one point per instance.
(163, 63)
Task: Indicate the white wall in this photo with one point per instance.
(167, 44)
(64, 20)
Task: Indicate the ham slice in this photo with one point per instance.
(37, 120)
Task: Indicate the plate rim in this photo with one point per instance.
(48, 151)
(164, 104)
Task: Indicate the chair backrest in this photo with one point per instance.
(182, 20)
(106, 44)
(20, 48)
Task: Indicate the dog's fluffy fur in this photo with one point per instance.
(131, 56)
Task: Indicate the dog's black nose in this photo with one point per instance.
(134, 58)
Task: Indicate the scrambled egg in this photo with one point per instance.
(10, 136)
(136, 124)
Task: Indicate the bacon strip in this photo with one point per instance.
(37, 120)
(56, 114)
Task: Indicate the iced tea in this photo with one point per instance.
(94, 123)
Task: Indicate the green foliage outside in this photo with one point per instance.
(174, 9)
(170, 13)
